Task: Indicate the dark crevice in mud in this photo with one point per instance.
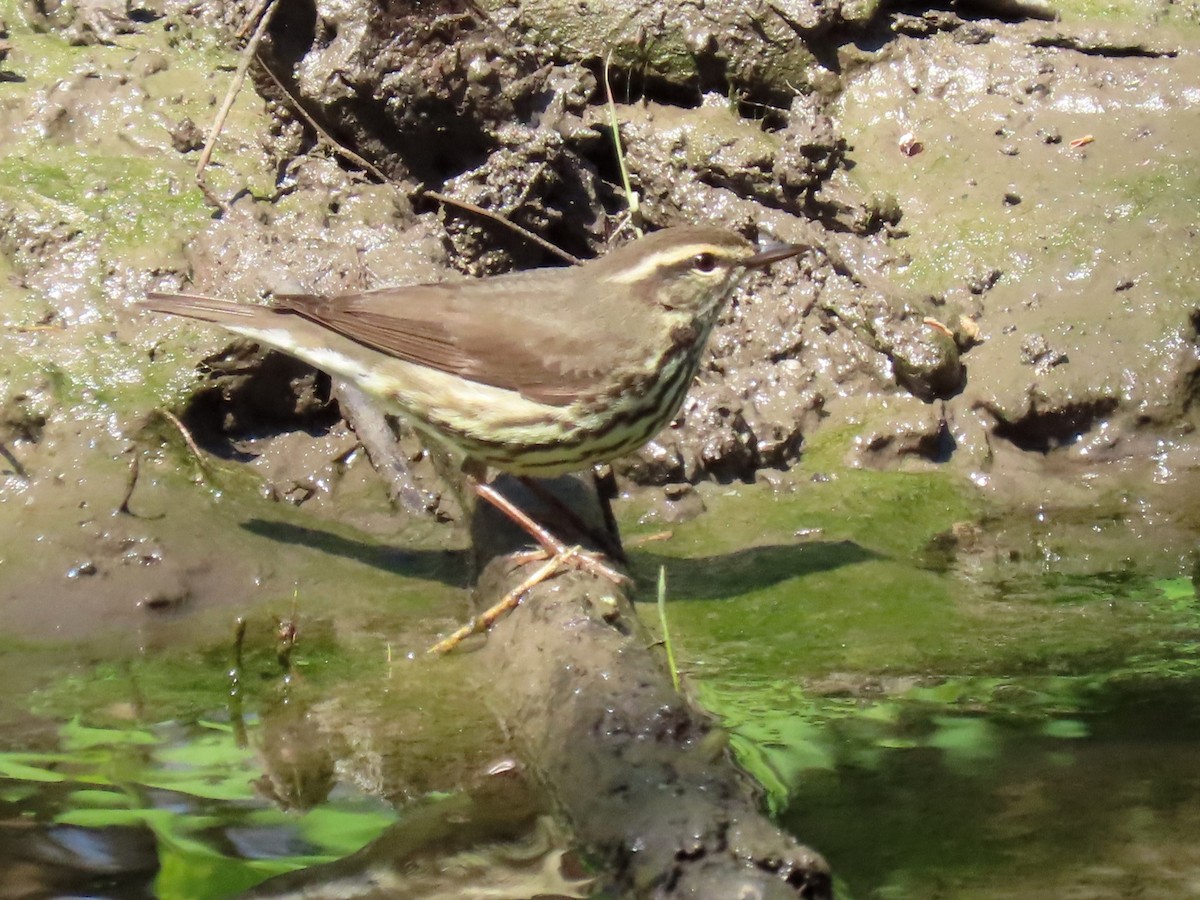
(1103, 49)
(419, 108)
(424, 151)
(758, 103)
(602, 159)
(143, 16)
(1040, 431)
(783, 454)
(632, 85)
(954, 15)
(848, 215)
(1190, 387)
(560, 203)
(930, 379)
(20, 424)
(438, 18)
(769, 111)
(499, 240)
(937, 446)
(250, 396)
(360, 123)
(809, 884)
(293, 32)
(1190, 390)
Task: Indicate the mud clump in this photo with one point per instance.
(529, 139)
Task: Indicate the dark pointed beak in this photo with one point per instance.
(772, 252)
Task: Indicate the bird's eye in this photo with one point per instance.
(704, 262)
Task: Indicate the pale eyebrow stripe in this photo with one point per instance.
(665, 258)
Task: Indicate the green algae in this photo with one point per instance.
(98, 185)
(869, 685)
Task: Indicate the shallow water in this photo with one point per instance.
(966, 717)
(1101, 802)
(940, 717)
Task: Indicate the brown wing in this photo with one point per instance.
(526, 332)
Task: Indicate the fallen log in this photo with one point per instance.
(644, 778)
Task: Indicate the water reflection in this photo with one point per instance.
(1013, 808)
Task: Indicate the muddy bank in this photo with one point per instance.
(1038, 316)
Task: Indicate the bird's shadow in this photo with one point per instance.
(745, 570)
(695, 578)
(452, 567)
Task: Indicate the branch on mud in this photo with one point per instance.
(267, 10)
(643, 777)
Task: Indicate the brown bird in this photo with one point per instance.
(534, 373)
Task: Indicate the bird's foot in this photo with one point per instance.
(509, 601)
(574, 557)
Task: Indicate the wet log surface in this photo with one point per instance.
(644, 778)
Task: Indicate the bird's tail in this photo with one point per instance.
(206, 309)
(275, 326)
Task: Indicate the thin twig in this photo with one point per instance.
(385, 453)
(287, 633)
(130, 484)
(236, 717)
(631, 197)
(187, 436)
(251, 18)
(14, 462)
(239, 76)
(662, 618)
(507, 603)
(496, 217)
(340, 149)
(639, 540)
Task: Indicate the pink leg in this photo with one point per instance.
(588, 562)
